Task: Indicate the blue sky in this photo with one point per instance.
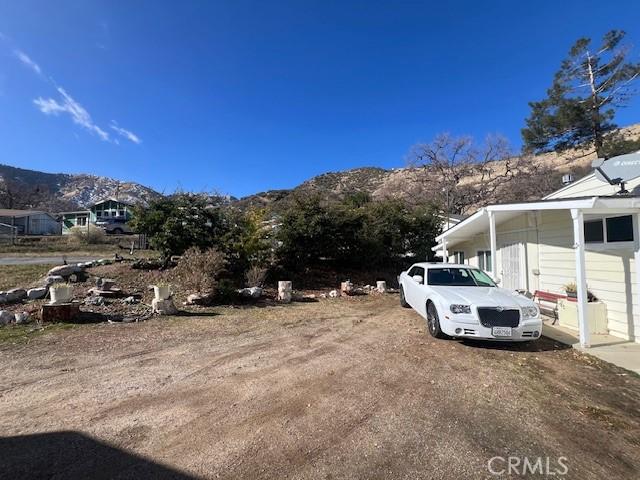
(242, 97)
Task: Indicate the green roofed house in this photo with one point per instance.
(108, 208)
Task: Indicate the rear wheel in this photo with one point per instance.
(403, 300)
(433, 322)
(117, 231)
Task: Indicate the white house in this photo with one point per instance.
(585, 233)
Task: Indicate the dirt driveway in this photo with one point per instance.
(336, 389)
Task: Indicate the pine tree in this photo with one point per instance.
(581, 104)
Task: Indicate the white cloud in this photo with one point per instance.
(26, 60)
(125, 133)
(68, 105)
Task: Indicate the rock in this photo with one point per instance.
(64, 270)
(323, 295)
(36, 293)
(104, 261)
(3, 298)
(198, 299)
(51, 279)
(252, 292)
(105, 283)
(285, 289)
(94, 300)
(21, 318)
(381, 286)
(163, 307)
(6, 317)
(334, 294)
(130, 300)
(16, 294)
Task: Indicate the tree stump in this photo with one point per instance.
(63, 312)
(346, 288)
(381, 286)
(163, 307)
(285, 289)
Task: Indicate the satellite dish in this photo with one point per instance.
(618, 169)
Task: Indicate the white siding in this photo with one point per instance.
(610, 273)
(549, 264)
(591, 186)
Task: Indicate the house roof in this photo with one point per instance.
(111, 199)
(479, 221)
(11, 212)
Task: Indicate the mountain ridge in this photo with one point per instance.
(406, 183)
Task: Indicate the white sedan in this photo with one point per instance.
(463, 301)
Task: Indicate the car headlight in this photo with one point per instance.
(455, 308)
(529, 312)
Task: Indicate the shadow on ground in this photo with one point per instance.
(73, 455)
(544, 344)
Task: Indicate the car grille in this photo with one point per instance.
(495, 317)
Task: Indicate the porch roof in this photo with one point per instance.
(479, 221)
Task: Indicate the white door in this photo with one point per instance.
(511, 266)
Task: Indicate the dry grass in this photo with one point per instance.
(12, 276)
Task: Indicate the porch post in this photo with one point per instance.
(445, 251)
(636, 256)
(492, 241)
(581, 275)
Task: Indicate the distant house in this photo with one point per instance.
(30, 222)
(108, 208)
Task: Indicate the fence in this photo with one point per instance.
(8, 234)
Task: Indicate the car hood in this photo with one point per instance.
(483, 296)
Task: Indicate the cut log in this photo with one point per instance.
(163, 307)
(346, 288)
(381, 286)
(285, 289)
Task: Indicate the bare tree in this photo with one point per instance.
(457, 174)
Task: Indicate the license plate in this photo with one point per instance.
(501, 331)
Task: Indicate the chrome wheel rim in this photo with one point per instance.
(431, 320)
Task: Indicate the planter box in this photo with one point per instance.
(596, 315)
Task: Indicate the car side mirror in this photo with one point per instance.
(497, 281)
(418, 279)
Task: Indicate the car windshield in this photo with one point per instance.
(458, 277)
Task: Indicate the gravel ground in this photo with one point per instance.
(346, 388)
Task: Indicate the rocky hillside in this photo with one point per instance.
(77, 191)
(405, 183)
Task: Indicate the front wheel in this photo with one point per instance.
(403, 300)
(433, 322)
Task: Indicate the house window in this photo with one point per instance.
(593, 231)
(458, 257)
(81, 221)
(620, 229)
(484, 260)
(98, 213)
(609, 230)
(121, 213)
